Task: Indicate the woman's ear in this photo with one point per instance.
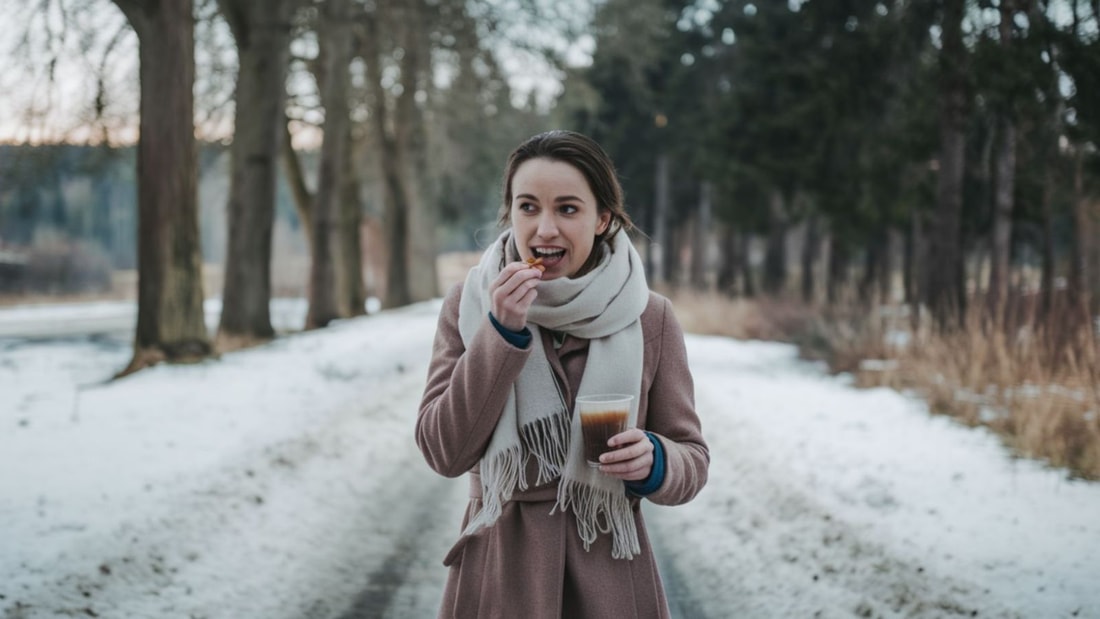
(604, 221)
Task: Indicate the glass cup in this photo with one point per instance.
(602, 416)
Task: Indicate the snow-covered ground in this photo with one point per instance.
(283, 481)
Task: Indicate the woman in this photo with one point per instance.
(546, 535)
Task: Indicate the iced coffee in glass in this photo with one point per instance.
(602, 416)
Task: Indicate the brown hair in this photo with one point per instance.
(584, 154)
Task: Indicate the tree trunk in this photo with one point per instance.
(775, 256)
(810, 251)
(914, 247)
(1004, 192)
(170, 323)
(351, 292)
(837, 271)
(262, 32)
(1046, 268)
(673, 254)
(944, 286)
(337, 41)
(1080, 297)
(657, 247)
(1092, 231)
(728, 268)
(875, 262)
(408, 217)
(889, 263)
(395, 208)
(420, 221)
(748, 284)
(908, 262)
(701, 241)
(397, 272)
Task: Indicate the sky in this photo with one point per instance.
(51, 101)
(283, 481)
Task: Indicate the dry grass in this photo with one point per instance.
(758, 319)
(1039, 390)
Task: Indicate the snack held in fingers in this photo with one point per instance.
(536, 263)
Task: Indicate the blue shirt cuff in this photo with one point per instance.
(519, 339)
(650, 484)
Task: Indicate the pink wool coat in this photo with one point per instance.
(531, 563)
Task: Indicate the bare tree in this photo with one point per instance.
(399, 127)
(348, 286)
(262, 32)
(170, 323)
(402, 132)
(336, 42)
(349, 289)
(393, 190)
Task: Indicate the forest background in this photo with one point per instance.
(907, 189)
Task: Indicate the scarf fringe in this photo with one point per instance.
(589, 504)
(547, 439)
(500, 476)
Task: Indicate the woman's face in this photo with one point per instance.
(555, 216)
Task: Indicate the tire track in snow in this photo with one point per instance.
(409, 581)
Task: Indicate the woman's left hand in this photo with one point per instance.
(632, 459)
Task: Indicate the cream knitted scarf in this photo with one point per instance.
(603, 306)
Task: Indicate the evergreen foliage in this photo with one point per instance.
(831, 111)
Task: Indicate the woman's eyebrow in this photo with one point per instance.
(569, 198)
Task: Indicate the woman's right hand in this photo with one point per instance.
(512, 293)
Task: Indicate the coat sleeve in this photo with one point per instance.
(672, 418)
(465, 393)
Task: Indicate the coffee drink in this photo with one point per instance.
(597, 428)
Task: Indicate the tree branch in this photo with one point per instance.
(292, 168)
(134, 10)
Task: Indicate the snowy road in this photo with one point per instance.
(827, 501)
(284, 482)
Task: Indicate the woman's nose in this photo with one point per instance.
(548, 228)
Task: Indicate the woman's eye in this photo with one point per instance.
(568, 209)
(527, 207)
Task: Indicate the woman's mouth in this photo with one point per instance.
(550, 256)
